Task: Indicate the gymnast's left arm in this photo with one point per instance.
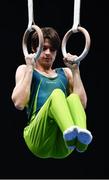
(75, 83)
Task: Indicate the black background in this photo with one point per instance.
(16, 161)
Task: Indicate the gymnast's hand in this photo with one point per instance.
(30, 59)
(69, 60)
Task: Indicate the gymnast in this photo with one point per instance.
(55, 101)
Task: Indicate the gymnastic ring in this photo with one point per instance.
(25, 38)
(87, 43)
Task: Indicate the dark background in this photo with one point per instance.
(16, 161)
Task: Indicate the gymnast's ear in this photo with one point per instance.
(33, 51)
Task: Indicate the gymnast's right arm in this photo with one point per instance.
(23, 78)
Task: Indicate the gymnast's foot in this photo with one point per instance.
(84, 138)
(70, 136)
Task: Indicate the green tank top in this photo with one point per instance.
(42, 87)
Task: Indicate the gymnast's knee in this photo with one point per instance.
(57, 92)
(73, 95)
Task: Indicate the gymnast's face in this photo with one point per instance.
(48, 54)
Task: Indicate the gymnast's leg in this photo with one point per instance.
(84, 136)
(44, 134)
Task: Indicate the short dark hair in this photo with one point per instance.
(48, 32)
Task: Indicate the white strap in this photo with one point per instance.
(76, 28)
(31, 27)
(76, 17)
(30, 13)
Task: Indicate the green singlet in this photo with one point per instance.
(50, 112)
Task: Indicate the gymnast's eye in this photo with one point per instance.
(50, 48)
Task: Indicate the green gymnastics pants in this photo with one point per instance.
(44, 134)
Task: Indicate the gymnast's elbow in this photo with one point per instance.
(20, 105)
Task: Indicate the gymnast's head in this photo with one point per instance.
(48, 33)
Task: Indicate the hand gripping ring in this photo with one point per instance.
(25, 38)
(87, 43)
